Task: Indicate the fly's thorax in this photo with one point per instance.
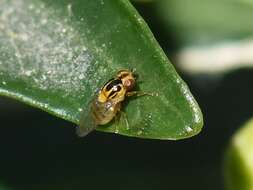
(101, 97)
(113, 90)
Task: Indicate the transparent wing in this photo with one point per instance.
(86, 123)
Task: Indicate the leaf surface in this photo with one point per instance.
(55, 55)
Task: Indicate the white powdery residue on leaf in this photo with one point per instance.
(47, 49)
(188, 129)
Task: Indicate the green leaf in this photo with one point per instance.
(239, 160)
(54, 55)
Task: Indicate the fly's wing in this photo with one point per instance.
(86, 123)
(95, 113)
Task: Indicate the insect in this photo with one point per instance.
(108, 101)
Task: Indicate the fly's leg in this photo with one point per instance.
(138, 93)
(123, 114)
(117, 119)
(118, 115)
(125, 118)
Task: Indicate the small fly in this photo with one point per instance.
(108, 101)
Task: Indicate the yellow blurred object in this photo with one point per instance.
(239, 160)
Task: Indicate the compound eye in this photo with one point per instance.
(129, 84)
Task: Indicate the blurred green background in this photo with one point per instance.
(39, 151)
